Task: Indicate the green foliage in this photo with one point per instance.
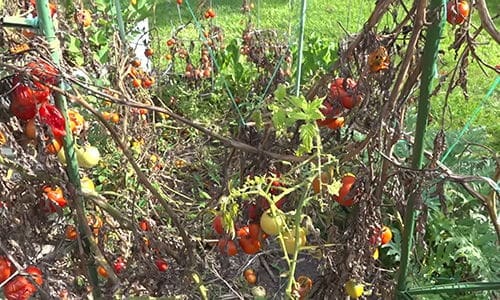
(287, 110)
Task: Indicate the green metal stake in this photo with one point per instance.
(47, 27)
(300, 58)
(119, 18)
(431, 47)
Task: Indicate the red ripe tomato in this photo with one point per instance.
(41, 92)
(6, 268)
(148, 52)
(217, 224)
(119, 265)
(342, 199)
(253, 212)
(50, 115)
(44, 71)
(343, 91)
(334, 123)
(228, 247)
(254, 230)
(144, 225)
(20, 288)
(249, 245)
(161, 264)
(457, 11)
(23, 103)
(56, 197)
(243, 232)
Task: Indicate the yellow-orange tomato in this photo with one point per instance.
(83, 17)
(76, 121)
(378, 59)
(54, 146)
(3, 138)
(385, 235)
(102, 271)
(115, 118)
(250, 276)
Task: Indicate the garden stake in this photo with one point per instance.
(92, 251)
(436, 17)
(119, 19)
(300, 50)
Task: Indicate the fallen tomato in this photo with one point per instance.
(250, 276)
(303, 286)
(56, 197)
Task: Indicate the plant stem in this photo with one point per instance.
(430, 52)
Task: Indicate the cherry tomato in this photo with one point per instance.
(119, 265)
(148, 52)
(102, 271)
(457, 11)
(289, 238)
(144, 225)
(44, 71)
(303, 285)
(385, 235)
(161, 264)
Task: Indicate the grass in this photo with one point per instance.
(330, 21)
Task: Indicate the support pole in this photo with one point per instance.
(47, 27)
(300, 55)
(435, 16)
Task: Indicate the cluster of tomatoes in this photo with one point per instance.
(343, 95)
(31, 98)
(209, 14)
(139, 77)
(18, 287)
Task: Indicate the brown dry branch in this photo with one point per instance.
(486, 20)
